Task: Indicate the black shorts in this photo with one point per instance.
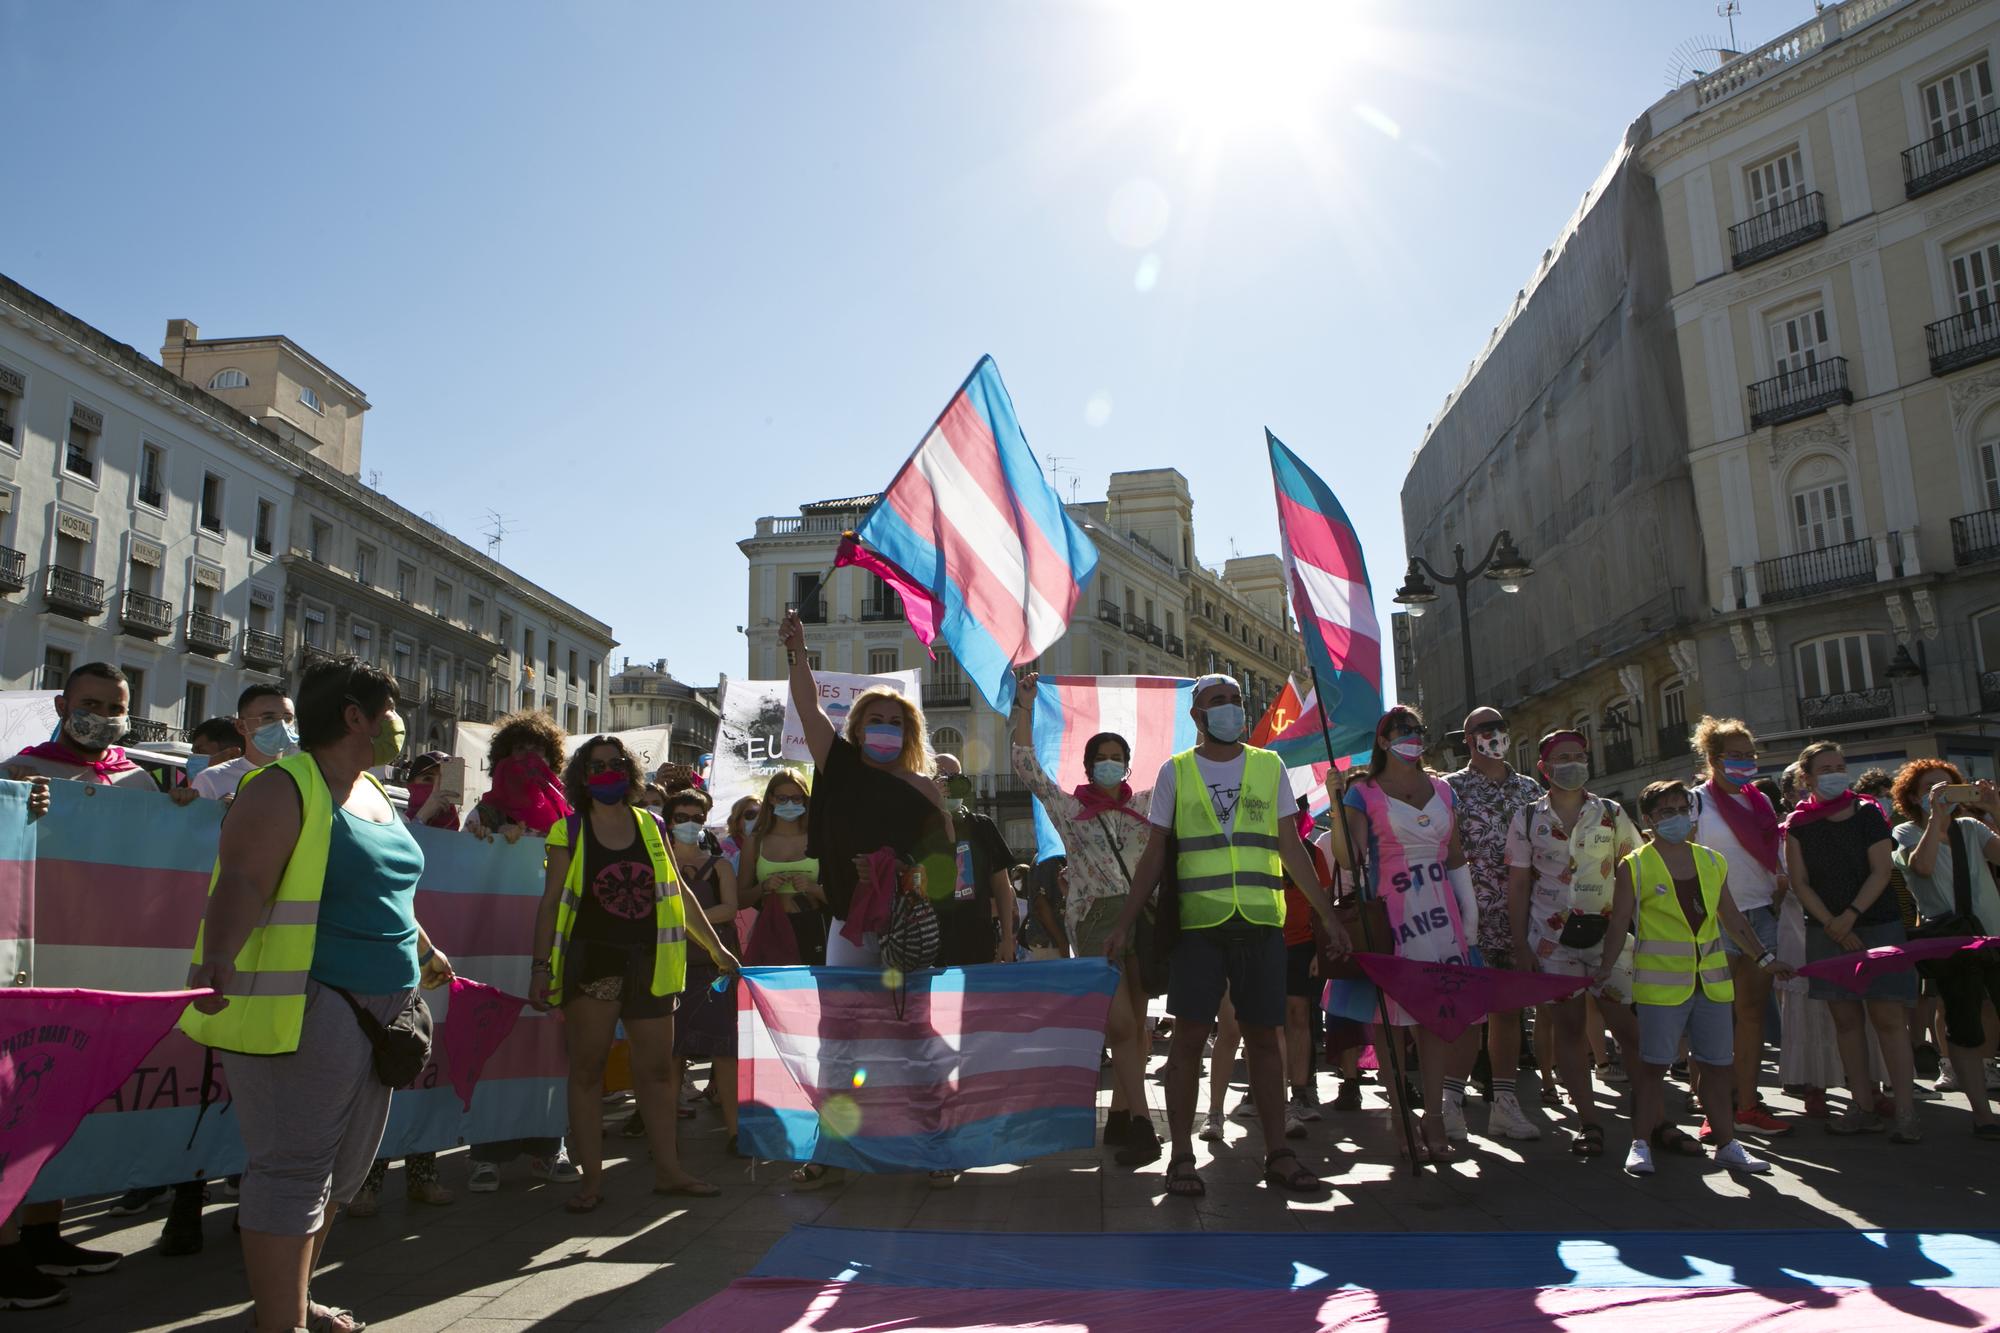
(1964, 982)
(967, 934)
(629, 971)
(1246, 961)
(1300, 977)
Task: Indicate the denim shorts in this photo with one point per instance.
(1709, 1026)
(1763, 920)
(1246, 961)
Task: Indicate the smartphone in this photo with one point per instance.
(1959, 793)
(451, 780)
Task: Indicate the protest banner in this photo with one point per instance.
(27, 717)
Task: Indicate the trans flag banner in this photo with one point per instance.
(1150, 712)
(938, 1070)
(971, 521)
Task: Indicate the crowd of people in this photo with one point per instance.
(1683, 918)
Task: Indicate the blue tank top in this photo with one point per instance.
(367, 941)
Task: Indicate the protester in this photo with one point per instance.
(614, 951)
(215, 741)
(741, 816)
(427, 805)
(1489, 797)
(1404, 814)
(1947, 854)
(783, 880)
(980, 899)
(1043, 935)
(1303, 985)
(1737, 821)
(1837, 850)
(94, 710)
(324, 843)
(1675, 895)
(1562, 857)
(1224, 805)
(268, 728)
(705, 1022)
(1102, 824)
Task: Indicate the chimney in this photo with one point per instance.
(180, 332)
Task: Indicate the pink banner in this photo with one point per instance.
(61, 1053)
(1448, 998)
(1853, 971)
(479, 1019)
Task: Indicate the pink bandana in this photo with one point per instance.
(1752, 821)
(106, 767)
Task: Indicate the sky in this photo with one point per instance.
(634, 274)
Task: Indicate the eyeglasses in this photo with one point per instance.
(1489, 728)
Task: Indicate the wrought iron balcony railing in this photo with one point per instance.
(262, 649)
(1800, 393)
(209, 634)
(1846, 706)
(1955, 153)
(1976, 537)
(71, 592)
(1776, 230)
(1965, 339)
(13, 570)
(1847, 565)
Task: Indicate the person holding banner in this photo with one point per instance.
(311, 842)
(95, 710)
(269, 729)
(524, 757)
(783, 880)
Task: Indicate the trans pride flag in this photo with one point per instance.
(971, 520)
(955, 1068)
(1150, 712)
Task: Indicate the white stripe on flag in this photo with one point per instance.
(830, 1063)
(961, 502)
(1334, 600)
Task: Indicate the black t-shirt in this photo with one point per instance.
(1836, 852)
(857, 809)
(617, 903)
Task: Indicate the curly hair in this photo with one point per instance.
(529, 726)
(576, 774)
(1917, 778)
(1712, 733)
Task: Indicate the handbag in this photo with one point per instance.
(402, 1046)
(1583, 931)
(1961, 921)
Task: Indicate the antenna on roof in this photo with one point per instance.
(1729, 10)
(1058, 467)
(374, 478)
(498, 525)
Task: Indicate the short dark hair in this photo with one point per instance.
(1656, 792)
(693, 796)
(329, 687)
(1104, 738)
(217, 731)
(256, 692)
(101, 670)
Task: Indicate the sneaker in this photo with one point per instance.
(1509, 1121)
(1295, 1125)
(1611, 1071)
(1349, 1096)
(1757, 1120)
(56, 1257)
(1707, 1134)
(1854, 1120)
(1947, 1081)
(1307, 1098)
(1993, 1074)
(1211, 1128)
(1906, 1130)
(485, 1178)
(182, 1234)
(429, 1192)
(558, 1168)
(233, 1186)
(1454, 1121)
(25, 1287)
(1639, 1158)
(133, 1202)
(365, 1203)
(1737, 1158)
(634, 1127)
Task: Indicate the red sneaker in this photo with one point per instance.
(1757, 1120)
(1707, 1134)
(1885, 1106)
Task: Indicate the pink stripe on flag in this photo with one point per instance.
(1318, 542)
(113, 906)
(856, 1016)
(992, 601)
(893, 1108)
(971, 441)
(1081, 716)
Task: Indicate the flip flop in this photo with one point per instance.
(583, 1203)
(817, 1175)
(697, 1189)
(1296, 1181)
(1589, 1141)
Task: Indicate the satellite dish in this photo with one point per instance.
(1696, 58)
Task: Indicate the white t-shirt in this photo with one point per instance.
(220, 780)
(1750, 885)
(1225, 785)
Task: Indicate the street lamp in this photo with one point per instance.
(1503, 563)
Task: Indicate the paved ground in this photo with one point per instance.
(515, 1260)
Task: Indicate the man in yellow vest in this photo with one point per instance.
(1227, 808)
(1676, 892)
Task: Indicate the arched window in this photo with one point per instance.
(311, 400)
(1822, 511)
(1581, 723)
(947, 740)
(231, 378)
(1841, 663)
(1986, 459)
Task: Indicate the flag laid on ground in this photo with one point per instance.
(1448, 998)
(61, 1053)
(1150, 712)
(1853, 971)
(953, 1068)
(481, 1018)
(1335, 609)
(1282, 713)
(971, 523)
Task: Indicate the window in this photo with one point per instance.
(572, 666)
(947, 740)
(813, 660)
(320, 544)
(1673, 704)
(194, 705)
(1170, 623)
(80, 449)
(1228, 623)
(569, 719)
(475, 613)
(1822, 515)
(1799, 342)
(311, 400)
(152, 473)
(550, 659)
(806, 597)
(881, 661)
(1975, 278)
(211, 502)
(229, 379)
(1841, 663)
(1775, 181)
(590, 681)
(1524, 756)
(403, 576)
(72, 554)
(361, 642)
(1107, 667)
(1582, 724)
(1986, 633)
(364, 563)
(260, 615)
(441, 598)
(528, 647)
(405, 662)
(312, 627)
(1954, 104)
(204, 600)
(506, 627)
(441, 674)
(1989, 470)
(139, 577)
(267, 518)
(136, 680)
(13, 387)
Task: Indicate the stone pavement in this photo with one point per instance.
(492, 1263)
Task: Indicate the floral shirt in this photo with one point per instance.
(1095, 846)
(1486, 811)
(1570, 870)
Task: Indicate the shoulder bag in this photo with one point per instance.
(402, 1046)
(1961, 920)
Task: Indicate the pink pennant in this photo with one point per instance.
(920, 608)
(61, 1053)
(1853, 971)
(479, 1019)
(1448, 998)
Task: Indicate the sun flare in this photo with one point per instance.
(1242, 66)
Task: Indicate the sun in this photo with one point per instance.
(1233, 67)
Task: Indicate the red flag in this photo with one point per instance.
(1282, 713)
(1853, 971)
(479, 1019)
(1448, 998)
(61, 1053)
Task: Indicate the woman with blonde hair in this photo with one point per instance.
(777, 874)
(736, 829)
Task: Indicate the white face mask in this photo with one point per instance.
(93, 732)
(1831, 785)
(1493, 745)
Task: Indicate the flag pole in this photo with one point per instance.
(1388, 1041)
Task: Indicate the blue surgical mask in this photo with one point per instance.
(276, 739)
(688, 832)
(1831, 785)
(789, 810)
(1674, 828)
(195, 764)
(882, 741)
(1108, 772)
(1225, 723)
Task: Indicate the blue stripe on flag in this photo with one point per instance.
(1051, 725)
(1030, 488)
(1061, 976)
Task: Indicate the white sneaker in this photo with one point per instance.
(485, 1178)
(1737, 1158)
(558, 1168)
(1639, 1158)
(1947, 1079)
(1211, 1128)
(1509, 1121)
(1454, 1121)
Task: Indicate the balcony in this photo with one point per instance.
(263, 650)
(1108, 612)
(948, 692)
(69, 592)
(409, 690)
(471, 710)
(209, 634)
(147, 616)
(1673, 739)
(1789, 225)
(1989, 691)
(444, 703)
(1848, 565)
(882, 608)
(1804, 392)
(1135, 626)
(1966, 339)
(13, 570)
(1618, 755)
(1848, 706)
(813, 612)
(311, 655)
(146, 731)
(1975, 537)
(1175, 648)
(1952, 155)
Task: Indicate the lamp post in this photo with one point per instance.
(1503, 563)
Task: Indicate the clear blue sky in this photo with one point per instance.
(635, 274)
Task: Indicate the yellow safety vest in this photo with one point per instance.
(1669, 955)
(1238, 873)
(267, 997)
(669, 909)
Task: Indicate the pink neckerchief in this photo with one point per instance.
(1753, 822)
(1812, 809)
(1093, 802)
(104, 768)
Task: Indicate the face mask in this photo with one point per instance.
(389, 738)
(1674, 828)
(1739, 771)
(882, 742)
(688, 832)
(1830, 785)
(609, 788)
(95, 733)
(1493, 745)
(1569, 777)
(1225, 723)
(278, 739)
(1108, 772)
(790, 809)
(1409, 748)
(196, 763)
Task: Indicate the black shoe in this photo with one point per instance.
(25, 1287)
(133, 1202)
(56, 1257)
(1928, 1065)
(1142, 1144)
(1349, 1096)
(1117, 1126)
(182, 1234)
(634, 1128)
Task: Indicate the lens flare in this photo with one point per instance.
(840, 1116)
(860, 1077)
(892, 978)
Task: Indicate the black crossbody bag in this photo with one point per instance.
(402, 1046)
(1962, 920)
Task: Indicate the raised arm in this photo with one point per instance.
(813, 720)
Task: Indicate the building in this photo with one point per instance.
(1149, 610)
(647, 695)
(1829, 233)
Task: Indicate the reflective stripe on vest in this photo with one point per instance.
(267, 997)
(669, 909)
(1238, 873)
(1670, 956)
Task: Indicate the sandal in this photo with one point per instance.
(1183, 1181)
(817, 1175)
(1551, 1095)
(329, 1319)
(1589, 1141)
(583, 1202)
(1297, 1181)
(1673, 1139)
